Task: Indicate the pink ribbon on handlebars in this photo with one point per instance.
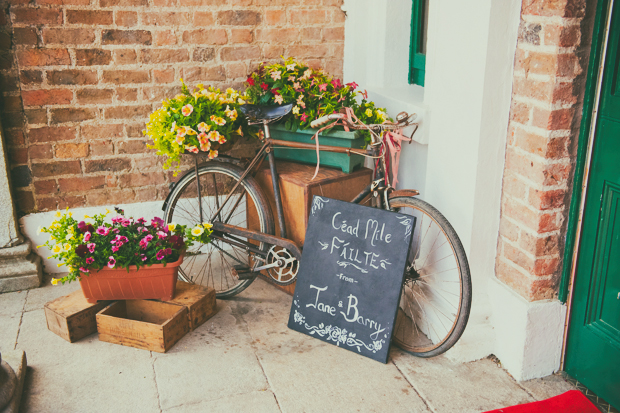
(394, 142)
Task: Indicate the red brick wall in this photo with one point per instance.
(548, 86)
(81, 77)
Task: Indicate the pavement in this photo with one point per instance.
(244, 359)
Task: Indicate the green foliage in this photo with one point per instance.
(206, 120)
(313, 92)
(94, 244)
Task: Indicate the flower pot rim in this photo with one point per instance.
(338, 134)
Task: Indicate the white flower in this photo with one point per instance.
(197, 231)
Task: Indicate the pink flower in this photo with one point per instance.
(264, 86)
(160, 255)
(84, 269)
(353, 85)
(112, 262)
(304, 117)
(336, 83)
(365, 94)
(296, 85)
(86, 236)
(103, 230)
(141, 221)
(90, 260)
(91, 247)
(114, 248)
(161, 234)
(143, 257)
(279, 99)
(124, 239)
(323, 87)
(143, 243)
(148, 237)
(125, 222)
(187, 110)
(276, 75)
(117, 218)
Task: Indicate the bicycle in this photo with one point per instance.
(436, 293)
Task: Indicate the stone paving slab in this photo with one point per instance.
(243, 359)
(255, 402)
(452, 387)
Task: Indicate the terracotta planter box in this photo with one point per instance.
(154, 282)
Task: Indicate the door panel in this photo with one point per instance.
(593, 347)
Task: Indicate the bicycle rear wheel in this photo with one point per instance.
(213, 264)
(436, 294)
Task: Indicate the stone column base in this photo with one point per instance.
(528, 334)
(20, 268)
(13, 366)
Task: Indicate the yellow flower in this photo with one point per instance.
(70, 214)
(57, 248)
(68, 237)
(58, 214)
(296, 110)
(171, 226)
(368, 112)
(207, 225)
(60, 264)
(55, 281)
(86, 216)
(107, 211)
(40, 230)
(67, 247)
(200, 86)
(197, 231)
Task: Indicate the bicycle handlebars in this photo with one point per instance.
(403, 119)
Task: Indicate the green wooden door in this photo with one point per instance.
(593, 347)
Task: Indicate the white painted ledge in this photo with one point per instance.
(30, 223)
(528, 334)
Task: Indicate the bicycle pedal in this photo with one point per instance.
(242, 272)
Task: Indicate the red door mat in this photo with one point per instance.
(572, 401)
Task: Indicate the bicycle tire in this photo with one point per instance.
(420, 327)
(216, 177)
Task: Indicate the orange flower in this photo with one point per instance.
(187, 110)
(212, 154)
(214, 136)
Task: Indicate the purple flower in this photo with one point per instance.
(84, 269)
(86, 236)
(81, 250)
(83, 227)
(103, 230)
(91, 247)
(167, 251)
(114, 248)
(112, 262)
(90, 260)
(143, 257)
(176, 241)
(160, 255)
(157, 222)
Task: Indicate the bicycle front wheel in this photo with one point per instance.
(216, 264)
(436, 293)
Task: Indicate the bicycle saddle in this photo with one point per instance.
(261, 113)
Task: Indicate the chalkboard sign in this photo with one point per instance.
(350, 276)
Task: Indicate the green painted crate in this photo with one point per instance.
(336, 138)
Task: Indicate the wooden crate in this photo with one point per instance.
(72, 317)
(149, 325)
(297, 190)
(199, 301)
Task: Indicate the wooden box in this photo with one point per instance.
(149, 325)
(72, 317)
(297, 190)
(199, 301)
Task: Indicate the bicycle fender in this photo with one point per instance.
(403, 192)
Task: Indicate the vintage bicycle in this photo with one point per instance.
(436, 293)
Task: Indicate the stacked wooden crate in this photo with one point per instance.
(148, 324)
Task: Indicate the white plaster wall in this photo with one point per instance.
(458, 160)
(30, 223)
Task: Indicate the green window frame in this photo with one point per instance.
(417, 47)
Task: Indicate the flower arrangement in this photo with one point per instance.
(91, 245)
(205, 120)
(313, 93)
